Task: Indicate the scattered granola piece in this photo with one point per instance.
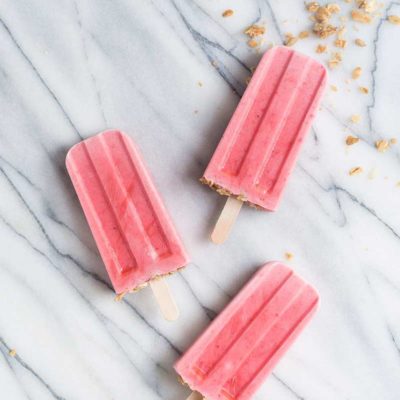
(341, 31)
(334, 88)
(255, 30)
(312, 6)
(350, 140)
(322, 14)
(333, 8)
(394, 19)
(355, 118)
(355, 171)
(120, 296)
(393, 141)
(356, 72)
(290, 39)
(304, 34)
(364, 90)
(335, 60)
(368, 6)
(227, 13)
(200, 83)
(252, 43)
(341, 43)
(12, 353)
(360, 43)
(324, 30)
(289, 256)
(361, 16)
(348, 1)
(321, 48)
(382, 145)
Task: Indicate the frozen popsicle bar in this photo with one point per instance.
(260, 145)
(232, 358)
(134, 234)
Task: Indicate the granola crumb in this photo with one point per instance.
(333, 8)
(335, 60)
(360, 42)
(289, 256)
(255, 30)
(252, 43)
(350, 140)
(364, 89)
(312, 6)
(119, 296)
(200, 83)
(304, 34)
(341, 31)
(227, 13)
(355, 171)
(321, 48)
(382, 145)
(368, 6)
(355, 118)
(324, 30)
(12, 353)
(341, 43)
(334, 88)
(290, 39)
(360, 16)
(394, 19)
(356, 72)
(393, 141)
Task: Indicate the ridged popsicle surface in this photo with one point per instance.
(261, 143)
(134, 234)
(232, 358)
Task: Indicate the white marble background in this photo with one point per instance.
(69, 69)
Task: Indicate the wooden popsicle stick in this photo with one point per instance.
(226, 220)
(165, 301)
(195, 396)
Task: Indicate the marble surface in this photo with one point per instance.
(69, 69)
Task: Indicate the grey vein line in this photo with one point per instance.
(204, 42)
(92, 77)
(387, 326)
(32, 371)
(70, 258)
(7, 358)
(335, 188)
(211, 314)
(101, 317)
(27, 59)
(291, 390)
(375, 63)
(274, 20)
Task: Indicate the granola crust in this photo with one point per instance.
(144, 284)
(225, 192)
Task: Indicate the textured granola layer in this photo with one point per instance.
(144, 284)
(225, 192)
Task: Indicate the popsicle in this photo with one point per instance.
(133, 232)
(240, 348)
(259, 148)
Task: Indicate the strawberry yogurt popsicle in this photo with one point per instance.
(133, 232)
(240, 348)
(261, 143)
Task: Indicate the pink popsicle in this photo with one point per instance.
(134, 234)
(261, 143)
(232, 358)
